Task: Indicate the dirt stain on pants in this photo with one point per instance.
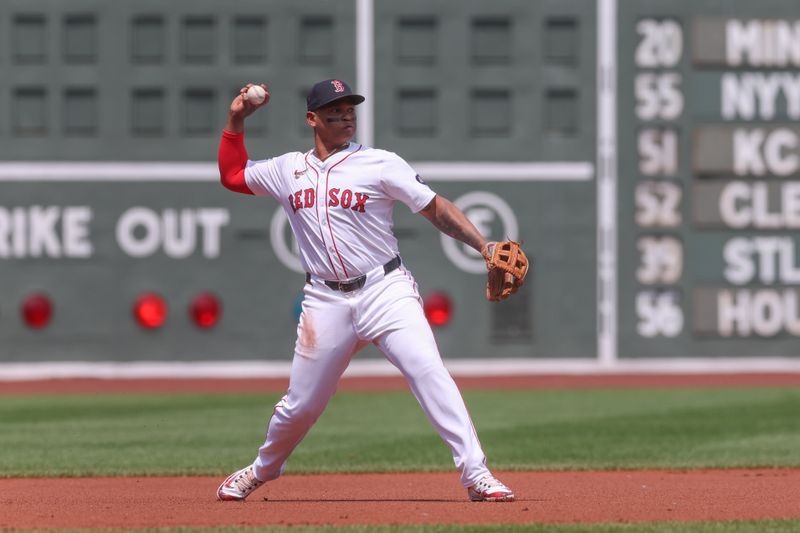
(307, 336)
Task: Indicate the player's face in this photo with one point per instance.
(336, 121)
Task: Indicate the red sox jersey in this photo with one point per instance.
(340, 209)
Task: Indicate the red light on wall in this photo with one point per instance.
(37, 310)
(438, 308)
(150, 310)
(205, 310)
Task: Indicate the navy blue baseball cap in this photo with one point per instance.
(327, 91)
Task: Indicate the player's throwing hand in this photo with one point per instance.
(244, 105)
(247, 101)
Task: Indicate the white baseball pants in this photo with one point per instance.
(332, 327)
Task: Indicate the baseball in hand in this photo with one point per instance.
(256, 94)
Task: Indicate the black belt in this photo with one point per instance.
(357, 283)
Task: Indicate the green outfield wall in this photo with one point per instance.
(645, 153)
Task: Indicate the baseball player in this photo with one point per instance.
(339, 197)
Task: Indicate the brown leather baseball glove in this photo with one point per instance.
(508, 267)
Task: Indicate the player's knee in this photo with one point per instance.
(424, 365)
(306, 411)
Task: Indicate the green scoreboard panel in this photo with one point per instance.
(709, 158)
(110, 115)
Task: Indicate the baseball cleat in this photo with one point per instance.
(490, 489)
(239, 485)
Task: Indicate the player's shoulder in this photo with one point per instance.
(381, 155)
(377, 152)
(291, 156)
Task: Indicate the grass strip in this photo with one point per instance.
(386, 432)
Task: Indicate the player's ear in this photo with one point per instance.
(311, 118)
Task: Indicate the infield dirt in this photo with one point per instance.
(431, 498)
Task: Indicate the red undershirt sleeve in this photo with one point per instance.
(232, 158)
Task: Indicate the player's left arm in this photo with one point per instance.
(451, 221)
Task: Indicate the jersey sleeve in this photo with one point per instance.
(264, 177)
(402, 183)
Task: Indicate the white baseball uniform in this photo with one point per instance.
(340, 211)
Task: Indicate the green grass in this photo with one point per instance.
(763, 526)
(591, 429)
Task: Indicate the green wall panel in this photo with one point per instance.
(150, 80)
(94, 249)
(511, 80)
